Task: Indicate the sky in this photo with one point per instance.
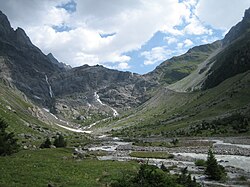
(128, 35)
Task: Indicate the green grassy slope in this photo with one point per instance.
(172, 113)
(181, 66)
(27, 121)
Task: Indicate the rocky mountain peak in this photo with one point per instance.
(5, 27)
(238, 30)
(22, 38)
(59, 64)
(247, 14)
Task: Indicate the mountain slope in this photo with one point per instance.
(171, 113)
(177, 68)
(24, 65)
(86, 94)
(84, 90)
(235, 58)
(188, 107)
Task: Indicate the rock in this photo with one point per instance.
(8, 107)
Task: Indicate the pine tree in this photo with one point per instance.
(213, 169)
(8, 144)
(59, 141)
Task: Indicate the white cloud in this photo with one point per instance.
(170, 40)
(206, 40)
(28, 13)
(156, 54)
(123, 65)
(190, 3)
(195, 27)
(188, 43)
(134, 23)
(180, 45)
(221, 14)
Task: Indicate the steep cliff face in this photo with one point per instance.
(25, 66)
(235, 56)
(239, 29)
(99, 88)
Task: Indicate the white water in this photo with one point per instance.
(115, 113)
(35, 96)
(96, 96)
(227, 160)
(220, 142)
(50, 89)
(111, 147)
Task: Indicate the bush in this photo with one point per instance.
(186, 180)
(152, 176)
(59, 141)
(46, 144)
(200, 162)
(8, 144)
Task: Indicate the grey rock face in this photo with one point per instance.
(239, 29)
(25, 66)
(116, 89)
(5, 27)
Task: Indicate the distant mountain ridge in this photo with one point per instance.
(77, 93)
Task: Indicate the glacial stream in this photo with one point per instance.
(237, 161)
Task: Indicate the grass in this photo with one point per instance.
(22, 122)
(147, 154)
(57, 167)
(169, 112)
(179, 67)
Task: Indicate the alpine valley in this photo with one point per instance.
(189, 103)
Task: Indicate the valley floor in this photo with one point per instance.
(231, 152)
(100, 163)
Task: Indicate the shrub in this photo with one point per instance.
(152, 176)
(8, 144)
(59, 141)
(46, 144)
(200, 162)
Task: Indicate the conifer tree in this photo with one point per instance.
(8, 144)
(59, 141)
(213, 169)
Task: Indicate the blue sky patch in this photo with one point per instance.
(69, 6)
